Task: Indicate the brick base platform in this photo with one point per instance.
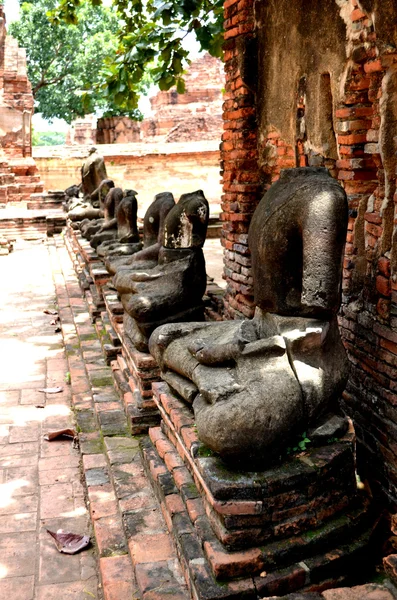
(19, 222)
(19, 179)
(46, 200)
(136, 370)
(298, 525)
(143, 370)
(91, 271)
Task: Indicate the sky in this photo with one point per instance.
(11, 9)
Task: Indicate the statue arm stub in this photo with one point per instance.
(109, 224)
(228, 347)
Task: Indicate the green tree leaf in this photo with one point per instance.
(150, 41)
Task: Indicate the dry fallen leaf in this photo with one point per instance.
(39, 406)
(53, 435)
(48, 311)
(51, 390)
(69, 543)
(263, 574)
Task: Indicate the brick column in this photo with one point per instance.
(242, 183)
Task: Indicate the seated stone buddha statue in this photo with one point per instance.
(95, 231)
(93, 172)
(89, 214)
(256, 383)
(122, 230)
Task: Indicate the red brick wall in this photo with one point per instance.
(242, 180)
(364, 129)
(116, 130)
(367, 321)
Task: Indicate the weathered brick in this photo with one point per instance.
(384, 266)
(383, 285)
(147, 548)
(227, 565)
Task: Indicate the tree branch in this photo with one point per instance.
(44, 83)
(57, 50)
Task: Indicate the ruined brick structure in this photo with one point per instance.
(314, 82)
(118, 130)
(82, 131)
(18, 172)
(193, 116)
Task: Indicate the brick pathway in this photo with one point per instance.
(42, 484)
(40, 481)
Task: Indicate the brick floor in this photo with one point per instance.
(40, 481)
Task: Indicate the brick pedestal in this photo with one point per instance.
(142, 409)
(52, 199)
(299, 525)
(136, 371)
(91, 272)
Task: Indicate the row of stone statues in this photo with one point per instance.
(165, 281)
(161, 279)
(253, 384)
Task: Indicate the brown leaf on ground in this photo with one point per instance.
(53, 435)
(69, 543)
(51, 390)
(48, 311)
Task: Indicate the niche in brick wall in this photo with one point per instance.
(387, 147)
(324, 151)
(327, 111)
(301, 157)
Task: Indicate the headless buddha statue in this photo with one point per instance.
(93, 172)
(127, 235)
(255, 383)
(90, 224)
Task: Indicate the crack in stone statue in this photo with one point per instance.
(173, 282)
(255, 383)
